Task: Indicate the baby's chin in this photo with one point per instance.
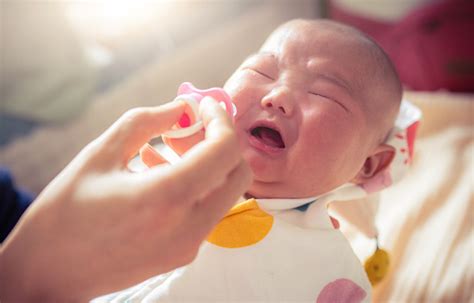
(263, 189)
(264, 181)
(272, 190)
(268, 180)
(285, 189)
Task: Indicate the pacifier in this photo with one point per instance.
(190, 122)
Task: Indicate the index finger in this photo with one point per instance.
(138, 126)
(206, 165)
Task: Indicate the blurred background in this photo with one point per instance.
(57, 55)
(69, 68)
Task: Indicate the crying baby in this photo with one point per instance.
(314, 108)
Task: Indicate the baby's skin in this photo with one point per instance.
(314, 106)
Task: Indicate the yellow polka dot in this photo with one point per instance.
(244, 225)
(377, 266)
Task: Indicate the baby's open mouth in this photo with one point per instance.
(268, 136)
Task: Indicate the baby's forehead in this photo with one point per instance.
(321, 49)
(318, 37)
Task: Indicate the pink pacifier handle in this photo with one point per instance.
(193, 96)
(216, 93)
(185, 120)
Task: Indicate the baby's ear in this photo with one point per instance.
(379, 160)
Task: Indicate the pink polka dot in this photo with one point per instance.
(341, 291)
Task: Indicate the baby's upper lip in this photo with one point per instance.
(272, 125)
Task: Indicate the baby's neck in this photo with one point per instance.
(249, 196)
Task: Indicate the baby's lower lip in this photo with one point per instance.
(258, 144)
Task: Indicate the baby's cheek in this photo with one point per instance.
(236, 83)
(242, 90)
(244, 101)
(325, 144)
(330, 128)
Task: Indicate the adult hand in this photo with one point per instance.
(151, 157)
(97, 227)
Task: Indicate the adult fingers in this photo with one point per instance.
(206, 165)
(182, 145)
(135, 128)
(150, 156)
(209, 210)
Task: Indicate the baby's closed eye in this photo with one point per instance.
(261, 73)
(319, 94)
(328, 97)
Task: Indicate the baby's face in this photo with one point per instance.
(301, 116)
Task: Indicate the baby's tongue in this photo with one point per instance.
(271, 137)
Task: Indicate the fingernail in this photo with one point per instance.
(208, 101)
(177, 104)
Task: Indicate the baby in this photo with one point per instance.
(314, 107)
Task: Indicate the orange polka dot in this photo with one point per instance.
(244, 225)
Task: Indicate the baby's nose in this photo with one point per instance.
(279, 99)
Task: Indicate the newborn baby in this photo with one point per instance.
(314, 107)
